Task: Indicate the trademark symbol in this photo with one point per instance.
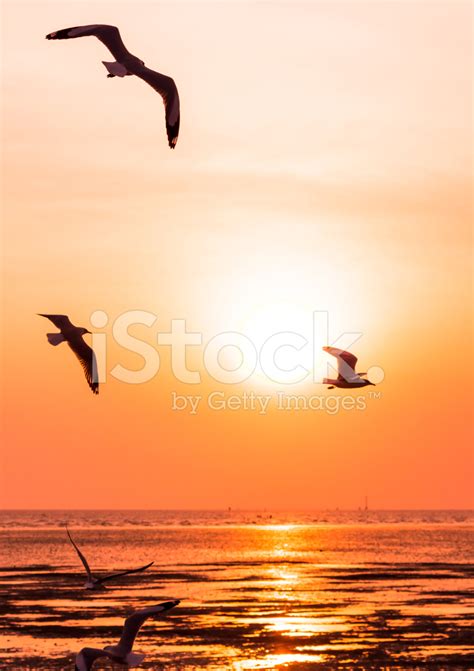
(375, 395)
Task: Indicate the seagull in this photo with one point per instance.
(97, 583)
(122, 652)
(128, 64)
(73, 336)
(346, 363)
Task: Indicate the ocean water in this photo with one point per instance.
(258, 590)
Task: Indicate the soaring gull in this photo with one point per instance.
(73, 336)
(122, 652)
(128, 64)
(98, 583)
(347, 377)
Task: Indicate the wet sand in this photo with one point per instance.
(243, 615)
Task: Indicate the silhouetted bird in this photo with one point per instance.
(73, 336)
(347, 377)
(97, 583)
(128, 64)
(122, 652)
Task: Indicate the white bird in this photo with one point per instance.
(347, 377)
(73, 336)
(128, 64)
(98, 583)
(122, 652)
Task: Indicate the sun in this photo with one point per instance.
(283, 311)
(282, 334)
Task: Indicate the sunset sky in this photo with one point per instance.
(323, 164)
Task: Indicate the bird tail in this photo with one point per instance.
(116, 69)
(55, 338)
(134, 659)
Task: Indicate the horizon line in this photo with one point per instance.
(266, 510)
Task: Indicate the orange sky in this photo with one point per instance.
(323, 164)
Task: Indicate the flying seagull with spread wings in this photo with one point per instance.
(347, 377)
(98, 583)
(73, 336)
(122, 652)
(128, 64)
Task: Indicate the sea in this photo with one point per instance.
(330, 589)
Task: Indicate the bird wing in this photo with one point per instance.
(167, 89)
(346, 363)
(134, 622)
(87, 360)
(81, 556)
(60, 321)
(108, 35)
(87, 656)
(122, 573)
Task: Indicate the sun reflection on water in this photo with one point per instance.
(278, 527)
(273, 661)
(284, 575)
(306, 626)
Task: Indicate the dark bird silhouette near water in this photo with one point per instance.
(98, 583)
(122, 652)
(128, 64)
(73, 336)
(347, 377)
